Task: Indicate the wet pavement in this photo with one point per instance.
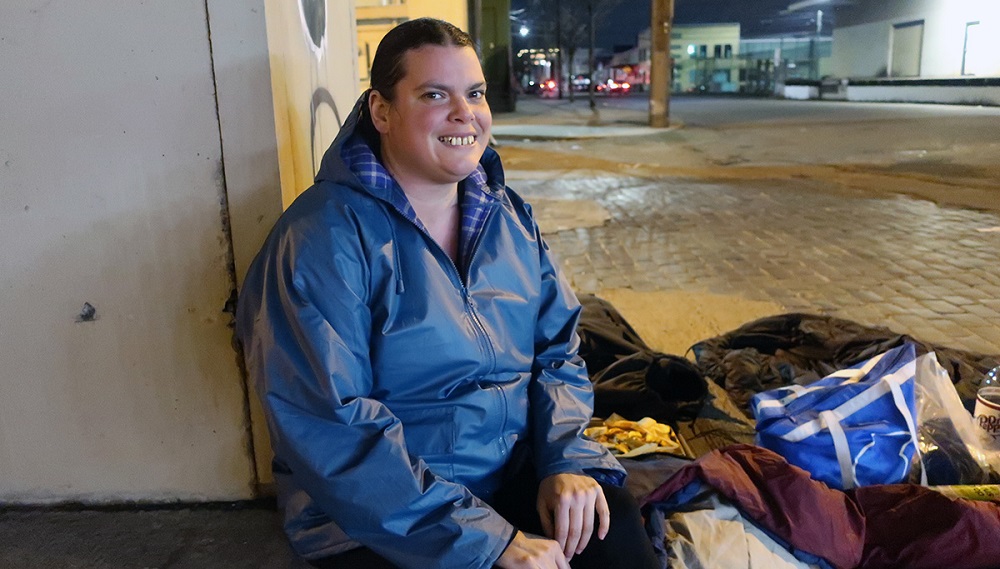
(918, 268)
(886, 214)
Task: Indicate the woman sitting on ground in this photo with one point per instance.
(414, 346)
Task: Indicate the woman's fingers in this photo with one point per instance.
(568, 504)
(587, 529)
(562, 517)
(604, 515)
(576, 510)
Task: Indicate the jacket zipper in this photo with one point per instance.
(485, 344)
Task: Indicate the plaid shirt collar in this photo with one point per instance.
(474, 194)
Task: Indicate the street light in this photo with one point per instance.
(524, 31)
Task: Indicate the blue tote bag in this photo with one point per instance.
(855, 427)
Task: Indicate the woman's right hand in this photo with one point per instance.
(529, 551)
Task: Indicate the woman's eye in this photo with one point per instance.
(478, 94)
(434, 96)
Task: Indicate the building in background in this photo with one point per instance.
(713, 58)
(769, 62)
(705, 59)
(917, 39)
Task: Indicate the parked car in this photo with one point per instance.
(547, 88)
(581, 83)
(613, 87)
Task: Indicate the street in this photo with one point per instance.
(714, 111)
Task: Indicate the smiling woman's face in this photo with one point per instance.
(437, 126)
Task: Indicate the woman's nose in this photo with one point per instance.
(461, 111)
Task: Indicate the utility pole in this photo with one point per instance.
(559, 84)
(661, 66)
(590, 71)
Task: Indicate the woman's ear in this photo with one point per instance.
(378, 106)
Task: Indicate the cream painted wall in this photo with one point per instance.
(112, 193)
(375, 19)
(253, 182)
(304, 73)
(313, 85)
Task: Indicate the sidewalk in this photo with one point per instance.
(537, 118)
(215, 536)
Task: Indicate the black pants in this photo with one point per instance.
(625, 547)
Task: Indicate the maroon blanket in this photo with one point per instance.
(872, 527)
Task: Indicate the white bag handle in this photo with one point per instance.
(897, 397)
(851, 375)
(848, 477)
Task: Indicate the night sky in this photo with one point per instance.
(756, 17)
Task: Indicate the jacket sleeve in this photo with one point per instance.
(562, 397)
(305, 324)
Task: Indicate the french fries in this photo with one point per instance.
(623, 437)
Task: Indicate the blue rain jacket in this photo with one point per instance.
(394, 387)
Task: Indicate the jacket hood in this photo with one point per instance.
(333, 168)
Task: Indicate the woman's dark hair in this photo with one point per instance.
(388, 68)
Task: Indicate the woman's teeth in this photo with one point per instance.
(457, 140)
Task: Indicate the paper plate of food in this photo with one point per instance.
(629, 439)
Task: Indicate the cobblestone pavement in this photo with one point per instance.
(907, 264)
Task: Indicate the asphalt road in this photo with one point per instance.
(709, 111)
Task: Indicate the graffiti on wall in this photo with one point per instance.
(313, 76)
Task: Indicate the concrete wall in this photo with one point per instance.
(242, 68)
(862, 41)
(964, 95)
(139, 172)
(113, 194)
